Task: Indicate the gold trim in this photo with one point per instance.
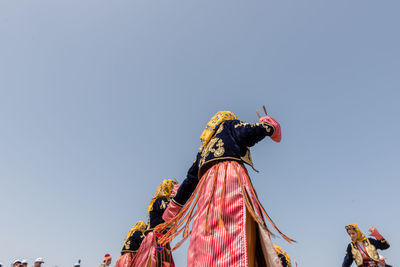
(383, 240)
(122, 251)
(180, 205)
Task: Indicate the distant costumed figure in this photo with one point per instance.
(283, 256)
(107, 260)
(131, 245)
(228, 225)
(363, 250)
(151, 253)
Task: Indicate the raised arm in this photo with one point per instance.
(188, 185)
(249, 134)
(380, 242)
(184, 192)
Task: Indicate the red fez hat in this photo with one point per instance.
(107, 256)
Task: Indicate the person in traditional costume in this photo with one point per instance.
(363, 250)
(151, 253)
(228, 225)
(106, 261)
(131, 245)
(283, 256)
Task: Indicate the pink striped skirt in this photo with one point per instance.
(152, 254)
(219, 236)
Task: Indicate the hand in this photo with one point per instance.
(276, 136)
(375, 233)
(174, 190)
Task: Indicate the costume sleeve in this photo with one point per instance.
(348, 259)
(137, 239)
(379, 244)
(188, 185)
(159, 207)
(248, 134)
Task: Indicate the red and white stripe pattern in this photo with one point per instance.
(227, 245)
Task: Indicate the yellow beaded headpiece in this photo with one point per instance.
(280, 250)
(360, 236)
(139, 226)
(214, 123)
(163, 190)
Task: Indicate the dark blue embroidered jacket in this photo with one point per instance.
(133, 243)
(231, 141)
(378, 244)
(155, 215)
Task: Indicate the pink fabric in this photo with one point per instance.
(174, 190)
(224, 246)
(145, 251)
(124, 260)
(148, 254)
(277, 136)
(171, 211)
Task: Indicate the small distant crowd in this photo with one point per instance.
(24, 263)
(39, 261)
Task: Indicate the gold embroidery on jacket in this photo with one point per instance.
(356, 254)
(220, 128)
(128, 245)
(266, 126)
(383, 240)
(240, 124)
(371, 251)
(247, 158)
(163, 205)
(218, 151)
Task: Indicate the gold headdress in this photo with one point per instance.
(163, 190)
(139, 226)
(214, 123)
(360, 236)
(280, 250)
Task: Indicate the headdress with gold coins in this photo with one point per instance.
(163, 190)
(139, 226)
(360, 236)
(214, 123)
(279, 251)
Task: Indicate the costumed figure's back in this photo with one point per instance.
(131, 244)
(228, 226)
(151, 253)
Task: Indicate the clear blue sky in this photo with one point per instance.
(101, 100)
